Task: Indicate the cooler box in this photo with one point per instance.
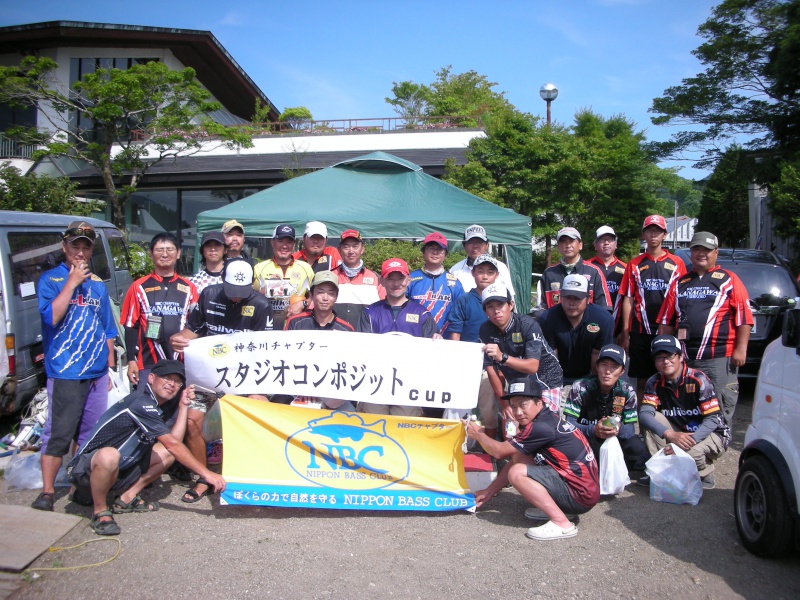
(480, 470)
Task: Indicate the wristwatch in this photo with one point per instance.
(504, 358)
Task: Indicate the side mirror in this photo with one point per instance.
(790, 334)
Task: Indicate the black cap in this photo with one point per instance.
(613, 352)
(665, 343)
(524, 386)
(212, 236)
(169, 367)
(284, 230)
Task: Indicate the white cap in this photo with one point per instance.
(605, 230)
(237, 278)
(575, 285)
(316, 228)
(495, 291)
(569, 232)
(475, 231)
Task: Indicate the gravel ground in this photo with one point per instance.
(628, 547)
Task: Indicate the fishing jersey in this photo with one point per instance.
(410, 318)
(466, 317)
(170, 301)
(204, 278)
(215, 314)
(523, 338)
(132, 427)
(713, 306)
(435, 292)
(586, 405)
(281, 284)
(647, 280)
(559, 444)
(329, 260)
(688, 402)
(463, 271)
(356, 293)
(553, 278)
(613, 274)
(76, 347)
(305, 321)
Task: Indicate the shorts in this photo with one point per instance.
(642, 365)
(80, 470)
(557, 488)
(75, 408)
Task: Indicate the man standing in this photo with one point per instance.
(712, 310)
(315, 251)
(358, 286)
(605, 245)
(680, 407)
(282, 279)
(212, 257)
(643, 289)
(432, 286)
(155, 308)
(133, 444)
(234, 241)
(570, 246)
(396, 313)
(476, 243)
(78, 333)
(552, 465)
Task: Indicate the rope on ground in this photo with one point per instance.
(53, 549)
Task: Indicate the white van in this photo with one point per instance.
(766, 502)
(30, 244)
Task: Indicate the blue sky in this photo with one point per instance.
(339, 59)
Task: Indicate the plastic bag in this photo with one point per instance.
(613, 472)
(24, 472)
(119, 390)
(674, 478)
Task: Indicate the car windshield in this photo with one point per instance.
(767, 285)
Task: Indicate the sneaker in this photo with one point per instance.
(708, 482)
(534, 514)
(215, 454)
(643, 481)
(551, 531)
(44, 501)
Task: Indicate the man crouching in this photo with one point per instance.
(133, 443)
(552, 464)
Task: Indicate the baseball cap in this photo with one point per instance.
(79, 229)
(212, 236)
(485, 258)
(475, 231)
(394, 265)
(656, 220)
(284, 230)
(316, 228)
(665, 343)
(435, 238)
(325, 277)
(704, 239)
(569, 232)
(575, 285)
(523, 386)
(232, 224)
(169, 367)
(237, 278)
(351, 233)
(605, 230)
(613, 352)
(496, 291)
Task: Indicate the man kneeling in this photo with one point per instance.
(552, 464)
(121, 454)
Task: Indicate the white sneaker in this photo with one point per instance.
(551, 531)
(535, 514)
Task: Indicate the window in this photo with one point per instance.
(119, 251)
(31, 255)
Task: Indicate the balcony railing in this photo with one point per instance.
(12, 149)
(370, 125)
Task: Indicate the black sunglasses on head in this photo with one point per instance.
(80, 232)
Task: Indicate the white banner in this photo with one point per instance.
(360, 367)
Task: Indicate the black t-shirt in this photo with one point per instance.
(215, 314)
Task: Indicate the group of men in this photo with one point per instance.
(558, 373)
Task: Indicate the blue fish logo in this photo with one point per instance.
(354, 428)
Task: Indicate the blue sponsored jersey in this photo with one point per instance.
(76, 347)
(466, 317)
(436, 293)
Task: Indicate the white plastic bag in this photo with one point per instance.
(613, 472)
(118, 389)
(674, 478)
(23, 472)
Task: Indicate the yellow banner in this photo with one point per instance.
(279, 455)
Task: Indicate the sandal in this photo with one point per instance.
(44, 501)
(191, 496)
(137, 505)
(104, 527)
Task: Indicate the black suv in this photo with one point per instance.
(772, 289)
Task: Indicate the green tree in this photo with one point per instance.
(410, 101)
(784, 203)
(298, 117)
(34, 193)
(724, 210)
(122, 122)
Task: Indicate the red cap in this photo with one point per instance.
(435, 238)
(351, 233)
(656, 220)
(394, 265)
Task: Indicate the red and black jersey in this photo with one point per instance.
(555, 442)
(329, 260)
(152, 295)
(305, 321)
(553, 278)
(647, 280)
(613, 273)
(713, 306)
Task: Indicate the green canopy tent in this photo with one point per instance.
(382, 196)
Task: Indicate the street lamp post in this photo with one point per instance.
(548, 92)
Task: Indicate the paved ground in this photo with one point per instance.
(628, 547)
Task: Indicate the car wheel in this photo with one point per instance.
(763, 517)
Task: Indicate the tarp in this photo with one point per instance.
(382, 196)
